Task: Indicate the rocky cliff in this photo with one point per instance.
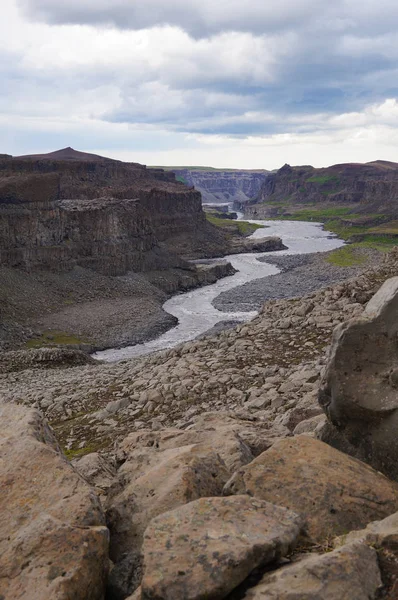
(69, 208)
(218, 186)
(365, 188)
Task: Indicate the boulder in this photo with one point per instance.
(150, 483)
(337, 493)
(221, 431)
(206, 548)
(349, 572)
(53, 539)
(359, 391)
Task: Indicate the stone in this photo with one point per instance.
(309, 425)
(337, 493)
(206, 548)
(97, 471)
(358, 391)
(383, 536)
(223, 432)
(150, 483)
(53, 539)
(349, 572)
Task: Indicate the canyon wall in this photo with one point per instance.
(368, 188)
(70, 208)
(217, 186)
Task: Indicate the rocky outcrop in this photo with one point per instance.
(313, 479)
(359, 388)
(350, 572)
(217, 186)
(69, 208)
(43, 358)
(367, 188)
(53, 539)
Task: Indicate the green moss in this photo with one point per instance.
(55, 338)
(322, 179)
(78, 452)
(347, 256)
(242, 228)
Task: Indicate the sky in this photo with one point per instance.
(221, 83)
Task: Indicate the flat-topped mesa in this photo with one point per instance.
(68, 207)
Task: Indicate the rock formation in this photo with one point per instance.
(359, 390)
(69, 208)
(367, 188)
(53, 539)
(217, 186)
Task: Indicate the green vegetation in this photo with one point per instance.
(347, 256)
(55, 338)
(181, 179)
(78, 452)
(242, 228)
(322, 179)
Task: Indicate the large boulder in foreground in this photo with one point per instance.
(206, 548)
(150, 483)
(359, 391)
(350, 572)
(335, 492)
(53, 541)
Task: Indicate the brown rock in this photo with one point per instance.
(337, 493)
(152, 482)
(206, 548)
(223, 432)
(53, 542)
(351, 572)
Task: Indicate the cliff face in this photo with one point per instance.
(69, 208)
(368, 188)
(224, 186)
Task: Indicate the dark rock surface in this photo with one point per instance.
(366, 188)
(359, 388)
(64, 209)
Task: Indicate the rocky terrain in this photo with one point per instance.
(217, 186)
(213, 465)
(90, 248)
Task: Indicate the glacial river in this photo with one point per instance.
(194, 309)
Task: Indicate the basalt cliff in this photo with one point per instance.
(217, 186)
(90, 249)
(69, 208)
(370, 188)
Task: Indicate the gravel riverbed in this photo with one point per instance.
(300, 275)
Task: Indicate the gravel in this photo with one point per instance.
(300, 275)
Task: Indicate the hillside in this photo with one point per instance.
(358, 201)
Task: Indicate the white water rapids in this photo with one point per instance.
(194, 309)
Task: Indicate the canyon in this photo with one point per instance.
(256, 461)
(217, 185)
(92, 230)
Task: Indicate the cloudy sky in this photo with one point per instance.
(224, 83)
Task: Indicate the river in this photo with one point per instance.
(194, 309)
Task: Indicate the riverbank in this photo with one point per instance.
(86, 310)
(300, 275)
